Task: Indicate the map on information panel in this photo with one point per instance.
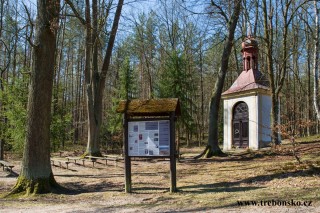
(149, 138)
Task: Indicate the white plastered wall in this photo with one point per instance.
(264, 120)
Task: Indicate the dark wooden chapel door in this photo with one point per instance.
(240, 124)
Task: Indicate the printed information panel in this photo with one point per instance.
(149, 138)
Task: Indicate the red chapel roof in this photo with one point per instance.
(248, 80)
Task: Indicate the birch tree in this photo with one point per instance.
(316, 62)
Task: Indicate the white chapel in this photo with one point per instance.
(247, 104)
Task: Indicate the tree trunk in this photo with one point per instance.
(2, 118)
(1, 149)
(202, 95)
(274, 119)
(96, 85)
(268, 28)
(309, 97)
(36, 173)
(76, 110)
(213, 145)
(315, 64)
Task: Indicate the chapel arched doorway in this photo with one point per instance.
(240, 125)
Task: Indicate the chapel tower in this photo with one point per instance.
(247, 104)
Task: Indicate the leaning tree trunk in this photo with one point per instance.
(213, 145)
(36, 174)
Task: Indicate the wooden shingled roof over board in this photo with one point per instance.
(158, 107)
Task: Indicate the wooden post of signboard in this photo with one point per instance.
(127, 160)
(173, 174)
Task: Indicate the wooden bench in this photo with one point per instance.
(75, 159)
(6, 164)
(60, 161)
(94, 159)
(106, 159)
(114, 158)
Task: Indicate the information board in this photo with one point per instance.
(149, 138)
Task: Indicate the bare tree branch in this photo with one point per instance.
(29, 38)
(2, 70)
(75, 11)
(221, 12)
(113, 33)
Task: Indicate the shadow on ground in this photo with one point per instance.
(234, 186)
(73, 188)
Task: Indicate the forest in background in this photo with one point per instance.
(172, 48)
